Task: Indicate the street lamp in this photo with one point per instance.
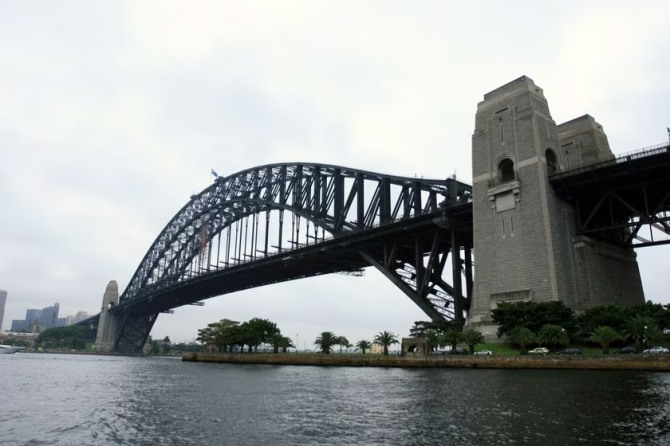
(296, 342)
(644, 338)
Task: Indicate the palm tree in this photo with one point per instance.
(641, 330)
(472, 337)
(604, 336)
(385, 339)
(451, 337)
(433, 339)
(363, 345)
(553, 336)
(523, 337)
(326, 340)
(342, 341)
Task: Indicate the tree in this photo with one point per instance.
(553, 336)
(363, 345)
(222, 334)
(523, 337)
(257, 331)
(325, 341)
(72, 337)
(641, 330)
(342, 341)
(472, 337)
(531, 315)
(604, 336)
(452, 338)
(385, 339)
(421, 327)
(613, 316)
(433, 339)
(280, 341)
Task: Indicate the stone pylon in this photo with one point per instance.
(525, 237)
(108, 329)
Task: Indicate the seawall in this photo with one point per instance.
(633, 362)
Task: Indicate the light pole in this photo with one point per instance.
(644, 338)
(296, 342)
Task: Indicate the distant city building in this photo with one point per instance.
(19, 325)
(37, 320)
(49, 317)
(3, 301)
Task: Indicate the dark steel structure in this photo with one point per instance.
(624, 201)
(282, 222)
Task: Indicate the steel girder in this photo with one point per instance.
(338, 220)
(338, 200)
(623, 201)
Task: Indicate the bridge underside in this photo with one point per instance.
(624, 201)
(419, 257)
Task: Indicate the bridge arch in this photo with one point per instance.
(275, 215)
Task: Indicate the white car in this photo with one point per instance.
(483, 353)
(538, 351)
(656, 351)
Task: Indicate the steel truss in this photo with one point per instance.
(624, 201)
(284, 221)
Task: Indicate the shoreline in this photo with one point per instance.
(658, 363)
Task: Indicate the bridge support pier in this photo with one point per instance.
(108, 325)
(525, 235)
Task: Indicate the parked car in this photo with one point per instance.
(655, 351)
(538, 351)
(457, 351)
(484, 353)
(571, 351)
(627, 350)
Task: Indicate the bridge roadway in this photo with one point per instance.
(623, 201)
(347, 254)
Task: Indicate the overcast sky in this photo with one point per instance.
(113, 113)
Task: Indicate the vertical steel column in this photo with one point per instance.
(385, 203)
(338, 199)
(360, 200)
(456, 277)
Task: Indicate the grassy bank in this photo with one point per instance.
(629, 362)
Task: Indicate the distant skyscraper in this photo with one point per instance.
(49, 317)
(3, 300)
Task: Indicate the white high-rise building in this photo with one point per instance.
(3, 301)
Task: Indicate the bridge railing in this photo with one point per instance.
(624, 158)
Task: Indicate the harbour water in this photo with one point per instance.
(50, 399)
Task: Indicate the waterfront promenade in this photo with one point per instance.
(609, 362)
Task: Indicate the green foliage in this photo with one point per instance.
(451, 337)
(471, 338)
(433, 339)
(642, 330)
(531, 315)
(325, 341)
(226, 334)
(604, 336)
(279, 341)
(421, 327)
(613, 316)
(343, 342)
(385, 339)
(523, 337)
(363, 345)
(553, 336)
(72, 337)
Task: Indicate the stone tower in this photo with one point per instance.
(107, 325)
(525, 242)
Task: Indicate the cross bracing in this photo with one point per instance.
(285, 221)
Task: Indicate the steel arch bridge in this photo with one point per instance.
(286, 221)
